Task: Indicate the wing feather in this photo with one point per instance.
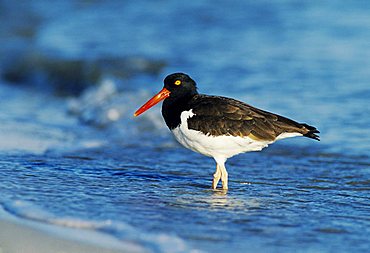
(225, 116)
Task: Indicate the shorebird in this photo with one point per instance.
(220, 127)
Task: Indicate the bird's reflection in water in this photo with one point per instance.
(221, 199)
(217, 200)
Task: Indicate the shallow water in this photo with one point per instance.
(84, 162)
(277, 201)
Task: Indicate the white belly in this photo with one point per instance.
(214, 146)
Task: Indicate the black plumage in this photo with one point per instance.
(225, 116)
(215, 115)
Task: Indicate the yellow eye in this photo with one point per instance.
(177, 82)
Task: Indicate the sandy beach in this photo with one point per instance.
(17, 238)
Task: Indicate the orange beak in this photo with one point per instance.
(163, 94)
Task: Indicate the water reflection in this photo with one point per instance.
(218, 200)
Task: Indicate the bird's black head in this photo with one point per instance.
(180, 85)
(178, 88)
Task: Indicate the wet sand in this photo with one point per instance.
(17, 238)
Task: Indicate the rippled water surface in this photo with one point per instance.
(71, 154)
(276, 200)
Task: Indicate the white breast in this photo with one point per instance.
(214, 146)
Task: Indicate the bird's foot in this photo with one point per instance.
(215, 182)
(224, 179)
(224, 183)
(216, 178)
(224, 186)
(221, 173)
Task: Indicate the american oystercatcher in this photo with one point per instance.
(219, 127)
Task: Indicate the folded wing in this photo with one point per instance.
(225, 116)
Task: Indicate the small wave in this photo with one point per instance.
(107, 103)
(124, 232)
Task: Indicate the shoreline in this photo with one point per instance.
(24, 236)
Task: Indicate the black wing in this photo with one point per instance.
(225, 116)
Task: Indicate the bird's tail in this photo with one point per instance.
(311, 132)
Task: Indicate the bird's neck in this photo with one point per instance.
(173, 107)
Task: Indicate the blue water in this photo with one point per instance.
(72, 155)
